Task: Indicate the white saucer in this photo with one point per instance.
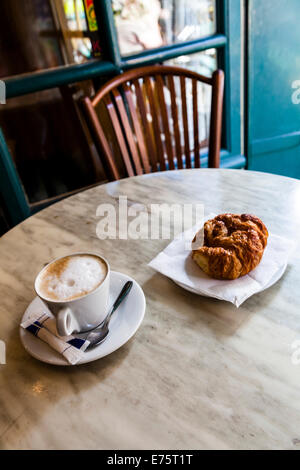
(124, 323)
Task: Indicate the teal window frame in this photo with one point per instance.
(226, 40)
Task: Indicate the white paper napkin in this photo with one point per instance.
(43, 325)
(176, 263)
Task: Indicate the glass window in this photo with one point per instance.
(41, 34)
(203, 63)
(147, 24)
(77, 23)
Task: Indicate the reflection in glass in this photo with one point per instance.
(147, 24)
(73, 24)
(77, 27)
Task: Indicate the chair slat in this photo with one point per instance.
(155, 122)
(195, 123)
(137, 128)
(128, 131)
(174, 112)
(216, 119)
(147, 131)
(185, 123)
(101, 139)
(165, 120)
(119, 134)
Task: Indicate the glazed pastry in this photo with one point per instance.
(233, 245)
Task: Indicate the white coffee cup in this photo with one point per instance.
(82, 313)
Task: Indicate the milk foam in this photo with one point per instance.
(72, 277)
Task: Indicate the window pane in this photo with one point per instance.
(42, 34)
(147, 24)
(77, 21)
(204, 63)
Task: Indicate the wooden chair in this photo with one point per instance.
(143, 106)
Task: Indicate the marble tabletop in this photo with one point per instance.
(199, 373)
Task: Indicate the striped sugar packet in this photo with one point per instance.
(43, 325)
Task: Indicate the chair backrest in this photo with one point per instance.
(154, 113)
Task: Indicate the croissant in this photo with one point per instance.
(233, 245)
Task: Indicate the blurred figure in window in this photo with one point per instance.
(138, 25)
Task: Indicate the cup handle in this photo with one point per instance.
(66, 323)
